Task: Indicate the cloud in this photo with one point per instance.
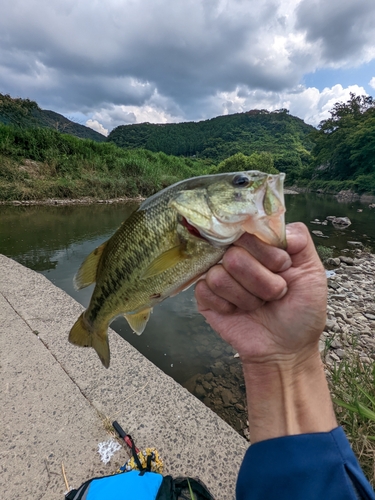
(343, 29)
(372, 82)
(98, 127)
(126, 61)
(309, 104)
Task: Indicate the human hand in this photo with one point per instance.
(269, 304)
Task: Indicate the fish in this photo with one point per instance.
(169, 242)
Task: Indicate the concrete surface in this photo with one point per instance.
(55, 399)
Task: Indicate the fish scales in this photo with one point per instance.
(173, 238)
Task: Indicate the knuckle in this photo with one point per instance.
(232, 260)
(273, 290)
(216, 278)
(278, 261)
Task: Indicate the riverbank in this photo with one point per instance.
(345, 195)
(87, 200)
(58, 402)
(77, 201)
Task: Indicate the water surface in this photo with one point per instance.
(54, 240)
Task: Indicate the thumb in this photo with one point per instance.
(301, 247)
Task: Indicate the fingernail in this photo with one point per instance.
(287, 264)
(282, 293)
(288, 231)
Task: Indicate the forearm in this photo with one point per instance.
(286, 397)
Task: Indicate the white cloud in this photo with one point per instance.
(95, 125)
(372, 82)
(127, 61)
(310, 104)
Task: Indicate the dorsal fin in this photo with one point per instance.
(138, 321)
(86, 274)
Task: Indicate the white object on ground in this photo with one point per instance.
(107, 449)
(330, 274)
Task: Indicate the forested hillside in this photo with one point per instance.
(344, 149)
(286, 137)
(25, 114)
(40, 158)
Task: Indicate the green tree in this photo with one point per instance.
(345, 142)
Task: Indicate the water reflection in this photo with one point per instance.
(55, 240)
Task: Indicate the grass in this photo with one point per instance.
(324, 252)
(352, 385)
(42, 163)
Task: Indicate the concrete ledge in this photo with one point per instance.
(55, 397)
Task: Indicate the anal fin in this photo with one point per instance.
(138, 321)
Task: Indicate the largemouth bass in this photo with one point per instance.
(173, 238)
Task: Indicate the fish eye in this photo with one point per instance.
(240, 180)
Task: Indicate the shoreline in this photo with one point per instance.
(347, 196)
(73, 201)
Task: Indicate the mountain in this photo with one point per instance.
(284, 136)
(25, 114)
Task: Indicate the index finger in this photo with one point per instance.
(274, 259)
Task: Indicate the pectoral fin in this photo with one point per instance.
(138, 321)
(165, 261)
(86, 274)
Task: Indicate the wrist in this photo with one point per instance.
(288, 395)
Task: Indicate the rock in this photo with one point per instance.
(341, 222)
(330, 217)
(199, 391)
(340, 353)
(341, 314)
(239, 407)
(357, 244)
(338, 296)
(365, 359)
(319, 234)
(333, 261)
(330, 323)
(332, 284)
(207, 386)
(369, 316)
(226, 396)
(334, 356)
(347, 260)
(316, 221)
(218, 369)
(336, 344)
(215, 353)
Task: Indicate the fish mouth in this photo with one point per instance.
(192, 229)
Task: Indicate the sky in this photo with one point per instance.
(104, 63)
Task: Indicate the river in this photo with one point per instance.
(54, 240)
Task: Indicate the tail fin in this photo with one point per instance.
(82, 335)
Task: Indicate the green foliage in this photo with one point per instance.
(352, 388)
(284, 137)
(25, 114)
(324, 252)
(345, 144)
(240, 162)
(38, 163)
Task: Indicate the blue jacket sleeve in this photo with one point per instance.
(319, 466)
